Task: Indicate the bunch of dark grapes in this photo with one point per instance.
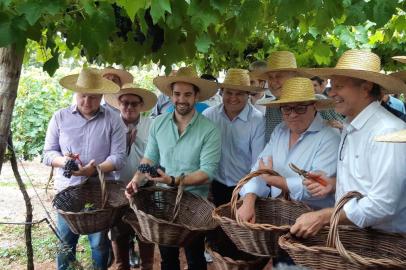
(152, 170)
(70, 166)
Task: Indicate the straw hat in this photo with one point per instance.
(399, 136)
(400, 74)
(362, 65)
(124, 75)
(89, 81)
(207, 88)
(297, 90)
(279, 61)
(401, 59)
(149, 99)
(239, 79)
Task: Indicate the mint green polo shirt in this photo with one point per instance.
(197, 149)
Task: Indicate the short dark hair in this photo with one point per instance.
(376, 91)
(318, 79)
(208, 77)
(195, 88)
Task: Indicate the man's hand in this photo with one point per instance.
(162, 178)
(246, 212)
(87, 170)
(309, 224)
(315, 188)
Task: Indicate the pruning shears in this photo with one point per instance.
(305, 174)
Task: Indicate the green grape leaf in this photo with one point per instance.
(132, 7)
(203, 42)
(158, 9)
(52, 64)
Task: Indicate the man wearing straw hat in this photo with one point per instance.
(377, 170)
(282, 66)
(96, 135)
(304, 139)
(131, 100)
(242, 133)
(186, 144)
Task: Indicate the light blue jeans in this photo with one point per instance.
(67, 251)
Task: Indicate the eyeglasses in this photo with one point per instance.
(133, 104)
(299, 109)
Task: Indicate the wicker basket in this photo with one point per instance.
(131, 219)
(273, 217)
(226, 256)
(107, 197)
(171, 217)
(347, 247)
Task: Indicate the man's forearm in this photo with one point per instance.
(58, 162)
(107, 166)
(196, 178)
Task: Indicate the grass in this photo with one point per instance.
(45, 246)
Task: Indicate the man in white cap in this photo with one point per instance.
(242, 133)
(131, 100)
(376, 170)
(93, 133)
(188, 146)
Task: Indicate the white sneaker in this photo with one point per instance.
(208, 257)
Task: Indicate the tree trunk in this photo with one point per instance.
(28, 205)
(10, 70)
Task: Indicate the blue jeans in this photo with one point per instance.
(67, 251)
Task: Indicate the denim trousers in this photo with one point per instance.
(67, 252)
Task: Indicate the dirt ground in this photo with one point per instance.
(12, 207)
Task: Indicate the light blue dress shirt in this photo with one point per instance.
(396, 104)
(315, 150)
(243, 138)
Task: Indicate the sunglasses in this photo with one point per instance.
(133, 104)
(299, 109)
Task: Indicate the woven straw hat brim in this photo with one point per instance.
(399, 137)
(148, 98)
(390, 84)
(263, 74)
(207, 88)
(401, 59)
(107, 87)
(400, 75)
(125, 76)
(321, 104)
(244, 88)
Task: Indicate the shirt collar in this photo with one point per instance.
(360, 120)
(74, 109)
(243, 115)
(172, 118)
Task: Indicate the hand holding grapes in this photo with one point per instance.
(88, 170)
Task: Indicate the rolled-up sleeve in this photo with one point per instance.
(386, 194)
(210, 153)
(117, 155)
(52, 148)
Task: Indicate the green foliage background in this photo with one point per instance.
(39, 96)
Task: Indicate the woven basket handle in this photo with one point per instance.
(178, 198)
(242, 182)
(333, 238)
(103, 187)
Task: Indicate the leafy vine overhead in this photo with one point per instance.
(212, 34)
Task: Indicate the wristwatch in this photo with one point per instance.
(173, 181)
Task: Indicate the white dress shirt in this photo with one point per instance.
(375, 169)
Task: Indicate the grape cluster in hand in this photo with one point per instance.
(70, 166)
(152, 170)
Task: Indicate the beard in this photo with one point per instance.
(183, 108)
